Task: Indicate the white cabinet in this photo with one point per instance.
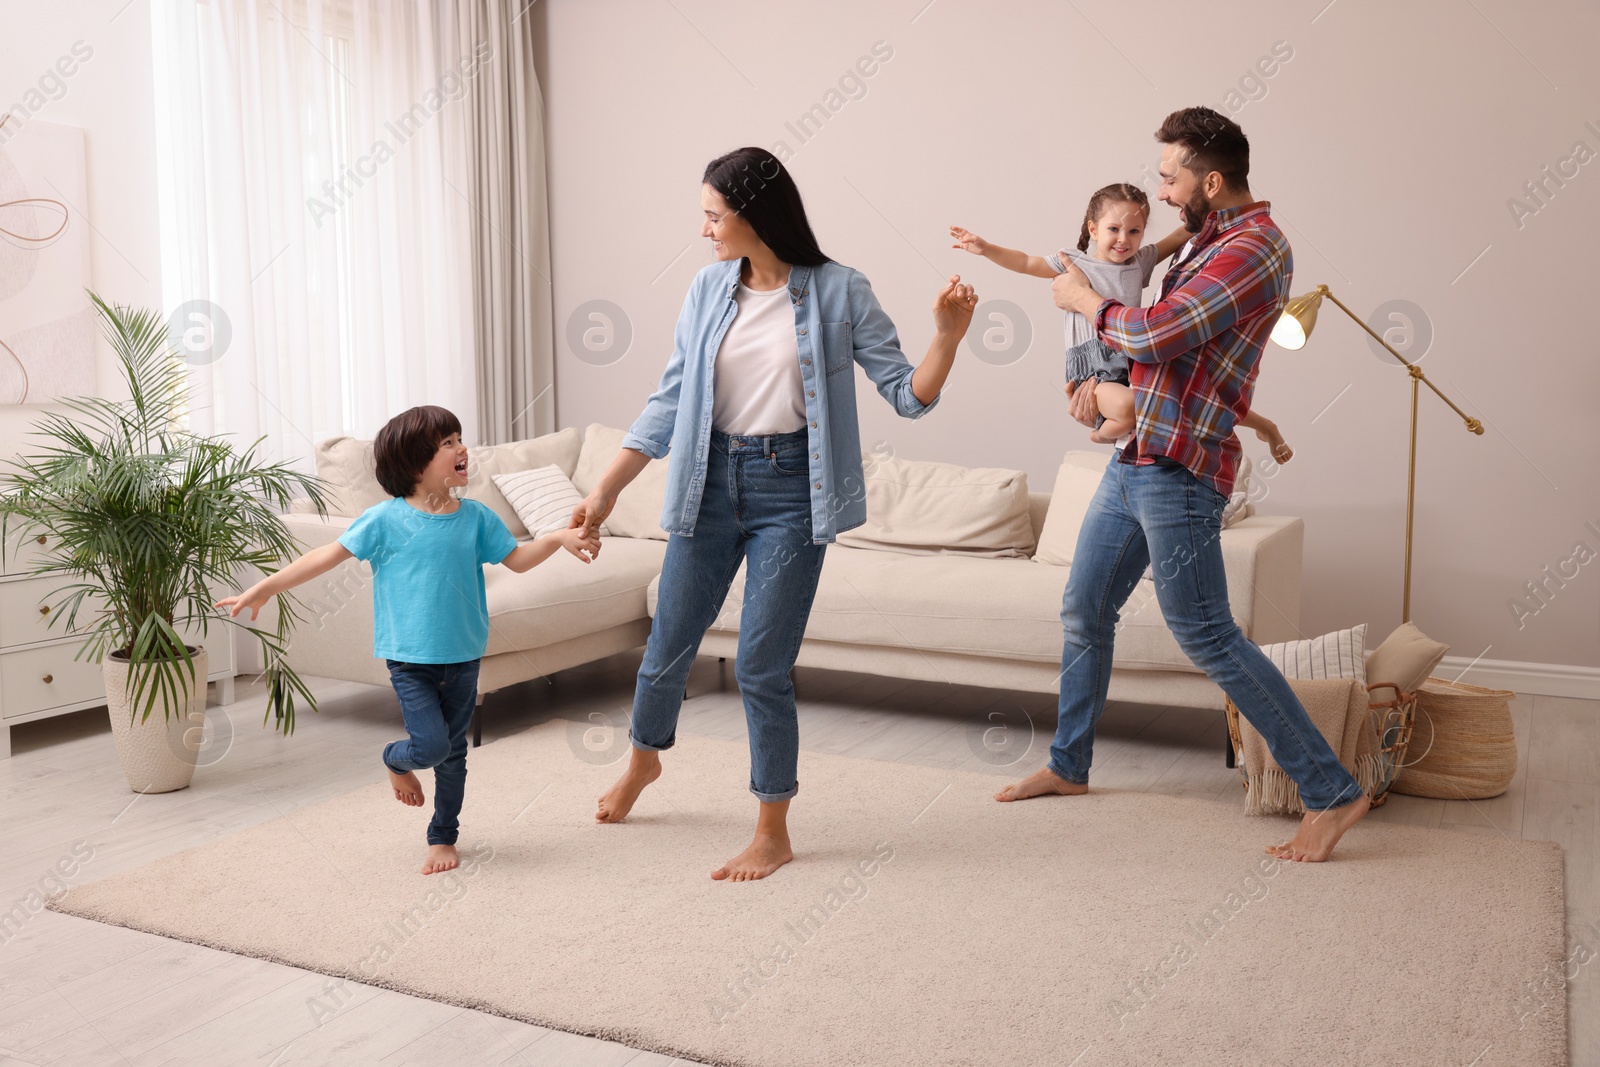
(39, 674)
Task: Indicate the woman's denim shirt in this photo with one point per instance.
(837, 324)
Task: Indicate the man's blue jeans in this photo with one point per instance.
(757, 510)
(1163, 513)
(437, 701)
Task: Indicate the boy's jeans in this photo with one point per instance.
(437, 701)
(1163, 513)
(756, 510)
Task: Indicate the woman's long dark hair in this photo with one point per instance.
(758, 187)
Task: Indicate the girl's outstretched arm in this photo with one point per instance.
(1009, 258)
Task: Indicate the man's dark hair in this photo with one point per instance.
(1211, 142)
(759, 188)
(407, 444)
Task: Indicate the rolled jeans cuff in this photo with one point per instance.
(774, 798)
(649, 748)
(1061, 773)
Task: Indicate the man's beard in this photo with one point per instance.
(1195, 211)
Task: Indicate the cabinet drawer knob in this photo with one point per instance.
(44, 609)
(41, 539)
(49, 678)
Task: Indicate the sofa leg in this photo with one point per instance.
(477, 723)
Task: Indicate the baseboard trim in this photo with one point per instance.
(1541, 679)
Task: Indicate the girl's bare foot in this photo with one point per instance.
(407, 790)
(1320, 831)
(644, 767)
(1042, 782)
(440, 858)
(1275, 443)
(767, 852)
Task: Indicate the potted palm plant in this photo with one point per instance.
(147, 520)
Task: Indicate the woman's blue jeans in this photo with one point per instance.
(1162, 513)
(437, 701)
(756, 509)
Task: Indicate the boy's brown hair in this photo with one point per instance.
(407, 444)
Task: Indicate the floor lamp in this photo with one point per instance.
(1291, 332)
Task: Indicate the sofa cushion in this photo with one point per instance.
(1004, 608)
(637, 512)
(349, 475)
(563, 597)
(1077, 480)
(926, 508)
(543, 498)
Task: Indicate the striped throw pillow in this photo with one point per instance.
(1341, 654)
(543, 498)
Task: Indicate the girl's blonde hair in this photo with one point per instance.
(1116, 193)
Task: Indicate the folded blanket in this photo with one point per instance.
(1338, 709)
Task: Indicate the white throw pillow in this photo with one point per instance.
(924, 508)
(1238, 505)
(543, 498)
(1341, 654)
(1076, 483)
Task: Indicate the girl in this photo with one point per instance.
(758, 407)
(430, 616)
(1119, 266)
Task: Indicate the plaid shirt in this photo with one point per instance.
(1194, 352)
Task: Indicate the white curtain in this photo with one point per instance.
(312, 160)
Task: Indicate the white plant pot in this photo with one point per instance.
(158, 754)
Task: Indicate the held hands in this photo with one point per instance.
(581, 541)
(952, 307)
(592, 511)
(969, 241)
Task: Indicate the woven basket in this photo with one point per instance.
(1464, 746)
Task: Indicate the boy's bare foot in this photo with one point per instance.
(440, 858)
(767, 852)
(1320, 831)
(644, 767)
(407, 790)
(1042, 782)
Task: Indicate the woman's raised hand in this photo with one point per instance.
(968, 240)
(952, 308)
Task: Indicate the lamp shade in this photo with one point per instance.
(1298, 318)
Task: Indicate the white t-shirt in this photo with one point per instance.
(756, 387)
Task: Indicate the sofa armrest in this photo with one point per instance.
(1262, 556)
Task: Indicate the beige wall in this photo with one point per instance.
(110, 96)
(1389, 145)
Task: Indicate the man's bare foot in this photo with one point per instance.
(1320, 831)
(1275, 442)
(767, 852)
(1042, 782)
(440, 858)
(407, 790)
(644, 767)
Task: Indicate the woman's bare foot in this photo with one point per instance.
(768, 850)
(1320, 831)
(1275, 443)
(1042, 782)
(407, 790)
(644, 767)
(440, 858)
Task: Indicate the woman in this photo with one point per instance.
(758, 406)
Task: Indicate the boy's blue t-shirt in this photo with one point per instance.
(428, 603)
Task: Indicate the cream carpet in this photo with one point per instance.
(922, 924)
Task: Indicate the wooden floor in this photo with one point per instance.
(80, 993)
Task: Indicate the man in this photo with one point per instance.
(1193, 356)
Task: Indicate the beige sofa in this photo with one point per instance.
(912, 611)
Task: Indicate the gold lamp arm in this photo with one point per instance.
(1416, 372)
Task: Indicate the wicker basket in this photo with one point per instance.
(1392, 719)
(1465, 746)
